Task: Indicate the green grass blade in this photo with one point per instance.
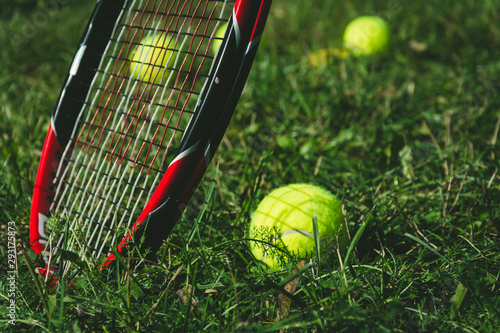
(357, 237)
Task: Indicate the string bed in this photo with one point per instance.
(129, 127)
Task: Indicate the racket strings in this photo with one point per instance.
(140, 108)
(130, 125)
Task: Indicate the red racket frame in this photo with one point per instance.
(202, 137)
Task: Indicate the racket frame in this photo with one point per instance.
(215, 106)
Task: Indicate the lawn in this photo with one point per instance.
(406, 139)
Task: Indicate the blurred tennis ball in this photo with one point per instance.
(366, 35)
(151, 56)
(284, 221)
(219, 36)
(217, 41)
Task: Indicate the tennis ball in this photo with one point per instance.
(151, 56)
(217, 41)
(366, 35)
(284, 219)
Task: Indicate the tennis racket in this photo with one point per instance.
(142, 111)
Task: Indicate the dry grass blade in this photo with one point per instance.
(283, 300)
(153, 308)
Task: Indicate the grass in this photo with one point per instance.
(408, 140)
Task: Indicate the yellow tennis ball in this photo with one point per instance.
(366, 35)
(282, 225)
(217, 41)
(151, 57)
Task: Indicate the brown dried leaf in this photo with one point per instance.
(284, 301)
(184, 295)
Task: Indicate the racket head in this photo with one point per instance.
(125, 151)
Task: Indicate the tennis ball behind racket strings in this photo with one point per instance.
(150, 58)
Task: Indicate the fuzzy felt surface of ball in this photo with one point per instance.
(217, 41)
(282, 224)
(366, 35)
(151, 57)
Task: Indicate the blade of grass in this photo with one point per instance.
(316, 240)
(38, 285)
(462, 278)
(457, 300)
(357, 237)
